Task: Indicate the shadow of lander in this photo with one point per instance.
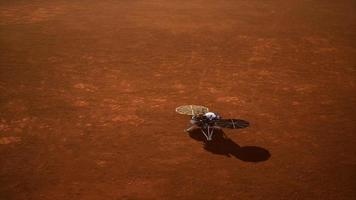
(223, 145)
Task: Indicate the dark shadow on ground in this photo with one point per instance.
(223, 145)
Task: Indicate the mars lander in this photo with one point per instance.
(207, 121)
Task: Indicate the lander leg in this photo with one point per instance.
(209, 133)
(189, 129)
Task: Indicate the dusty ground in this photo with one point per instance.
(89, 89)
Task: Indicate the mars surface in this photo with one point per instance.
(88, 91)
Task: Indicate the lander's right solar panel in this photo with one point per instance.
(232, 123)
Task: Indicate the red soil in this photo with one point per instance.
(89, 88)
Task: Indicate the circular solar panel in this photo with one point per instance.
(192, 110)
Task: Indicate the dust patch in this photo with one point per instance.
(4, 126)
(128, 119)
(16, 106)
(305, 88)
(28, 14)
(112, 104)
(157, 102)
(101, 163)
(172, 161)
(21, 125)
(179, 87)
(143, 189)
(125, 86)
(9, 140)
(80, 103)
(263, 50)
(320, 45)
(230, 99)
(86, 87)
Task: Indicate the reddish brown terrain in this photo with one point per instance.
(89, 90)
